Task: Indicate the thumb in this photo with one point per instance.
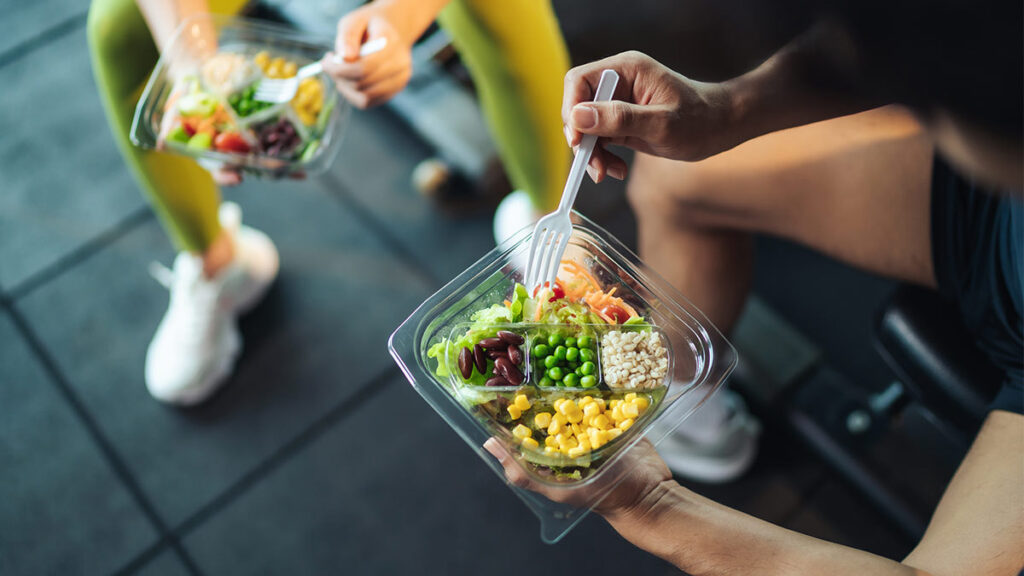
(614, 119)
(351, 30)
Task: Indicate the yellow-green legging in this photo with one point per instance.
(513, 49)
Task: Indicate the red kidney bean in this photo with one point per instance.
(492, 344)
(496, 381)
(513, 375)
(495, 354)
(479, 359)
(501, 366)
(510, 337)
(515, 354)
(466, 363)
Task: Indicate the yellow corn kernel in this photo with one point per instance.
(615, 402)
(550, 450)
(558, 403)
(604, 436)
(560, 418)
(625, 424)
(630, 397)
(551, 441)
(555, 428)
(566, 407)
(642, 403)
(617, 413)
(585, 400)
(261, 59)
(305, 117)
(530, 443)
(575, 417)
(542, 419)
(565, 449)
(601, 421)
(591, 409)
(289, 69)
(521, 431)
(514, 411)
(613, 433)
(566, 440)
(630, 410)
(600, 402)
(587, 422)
(522, 402)
(584, 442)
(576, 430)
(576, 452)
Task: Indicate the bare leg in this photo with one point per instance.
(856, 188)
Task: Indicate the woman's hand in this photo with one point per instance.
(655, 111)
(644, 478)
(375, 78)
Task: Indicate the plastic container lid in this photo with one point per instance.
(197, 40)
(700, 359)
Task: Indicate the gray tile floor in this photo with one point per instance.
(279, 473)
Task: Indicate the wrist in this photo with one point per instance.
(411, 19)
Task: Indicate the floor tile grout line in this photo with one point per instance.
(80, 254)
(265, 467)
(365, 214)
(283, 454)
(106, 448)
(45, 37)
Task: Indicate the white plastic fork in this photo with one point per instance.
(551, 234)
(278, 90)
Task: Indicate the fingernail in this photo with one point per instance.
(617, 172)
(593, 173)
(584, 116)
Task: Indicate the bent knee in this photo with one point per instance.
(681, 192)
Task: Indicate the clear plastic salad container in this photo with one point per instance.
(567, 378)
(199, 99)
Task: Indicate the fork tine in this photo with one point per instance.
(536, 255)
(551, 272)
(549, 255)
(531, 258)
(556, 258)
(537, 261)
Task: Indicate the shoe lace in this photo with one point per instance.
(162, 274)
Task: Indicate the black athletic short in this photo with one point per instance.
(978, 253)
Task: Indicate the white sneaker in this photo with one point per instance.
(197, 342)
(718, 458)
(514, 212)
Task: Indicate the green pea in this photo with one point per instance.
(545, 381)
(554, 340)
(587, 355)
(578, 370)
(555, 373)
(550, 362)
(588, 368)
(571, 380)
(584, 341)
(560, 353)
(572, 353)
(588, 381)
(570, 342)
(541, 350)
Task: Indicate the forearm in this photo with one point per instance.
(705, 538)
(412, 17)
(813, 78)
